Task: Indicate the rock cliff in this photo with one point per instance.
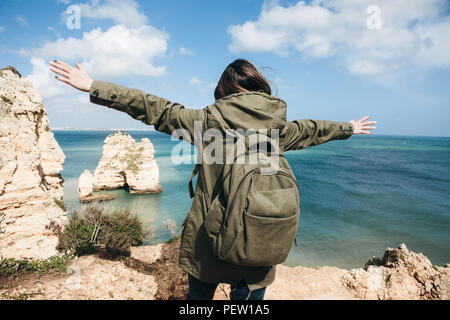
(399, 274)
(31, 187)
(152, 272)
(124, 162)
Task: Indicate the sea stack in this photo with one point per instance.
(126, 162)
(31, 186)
(85, 185)
(86, 188)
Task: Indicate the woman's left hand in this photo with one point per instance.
(361, 126)
(76, 77)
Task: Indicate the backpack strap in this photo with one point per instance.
(216, 114)
(194, 173)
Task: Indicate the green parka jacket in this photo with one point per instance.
(246, 110)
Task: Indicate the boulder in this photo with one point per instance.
(399, 274)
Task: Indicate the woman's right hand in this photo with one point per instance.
(362, 125)
(76, 77)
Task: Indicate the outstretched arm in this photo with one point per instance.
(150, 109)
(301, 134)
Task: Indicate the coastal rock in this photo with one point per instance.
(86, 188)
(31, 187)
(85, 184)
(87, 278)
(142, 276)
(399, 274)
(97, 198)
(126, 162)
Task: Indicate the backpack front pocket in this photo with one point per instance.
(267, 240)
(269, 226)
(281, 203)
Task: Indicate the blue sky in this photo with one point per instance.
(334, 59)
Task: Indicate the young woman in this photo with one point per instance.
(243, 101)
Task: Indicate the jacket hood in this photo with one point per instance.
(252, 110)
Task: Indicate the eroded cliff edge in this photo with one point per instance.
(152, 272)
(31, 186)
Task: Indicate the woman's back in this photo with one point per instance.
(243, 102)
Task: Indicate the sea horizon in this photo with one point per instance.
(153, 130)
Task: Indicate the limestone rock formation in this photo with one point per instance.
(85, 184)
(399, 274)
(31, 187)
(152, 272)
(86, 188)
(126, 162)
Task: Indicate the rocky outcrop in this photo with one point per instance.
(152, 272)
(85, 184)
(88, 278)
(86, 188)
(126, 162)
(399, 274)
(97, 198)
(31, 187)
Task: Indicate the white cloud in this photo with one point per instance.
(195, 81)
(121, 50)
(22, 21)
(413, 33)
(186, 52)
(2, 28)
(118, 51)
(124, 12)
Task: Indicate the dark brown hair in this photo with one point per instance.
(240, 76)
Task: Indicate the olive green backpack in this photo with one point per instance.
(253, 220)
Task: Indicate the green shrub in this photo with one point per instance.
(174, 239)
(95, 230)
(123, 133)
(60, 203)
(12, 267)
(132, 160)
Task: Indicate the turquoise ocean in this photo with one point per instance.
(357, 196)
